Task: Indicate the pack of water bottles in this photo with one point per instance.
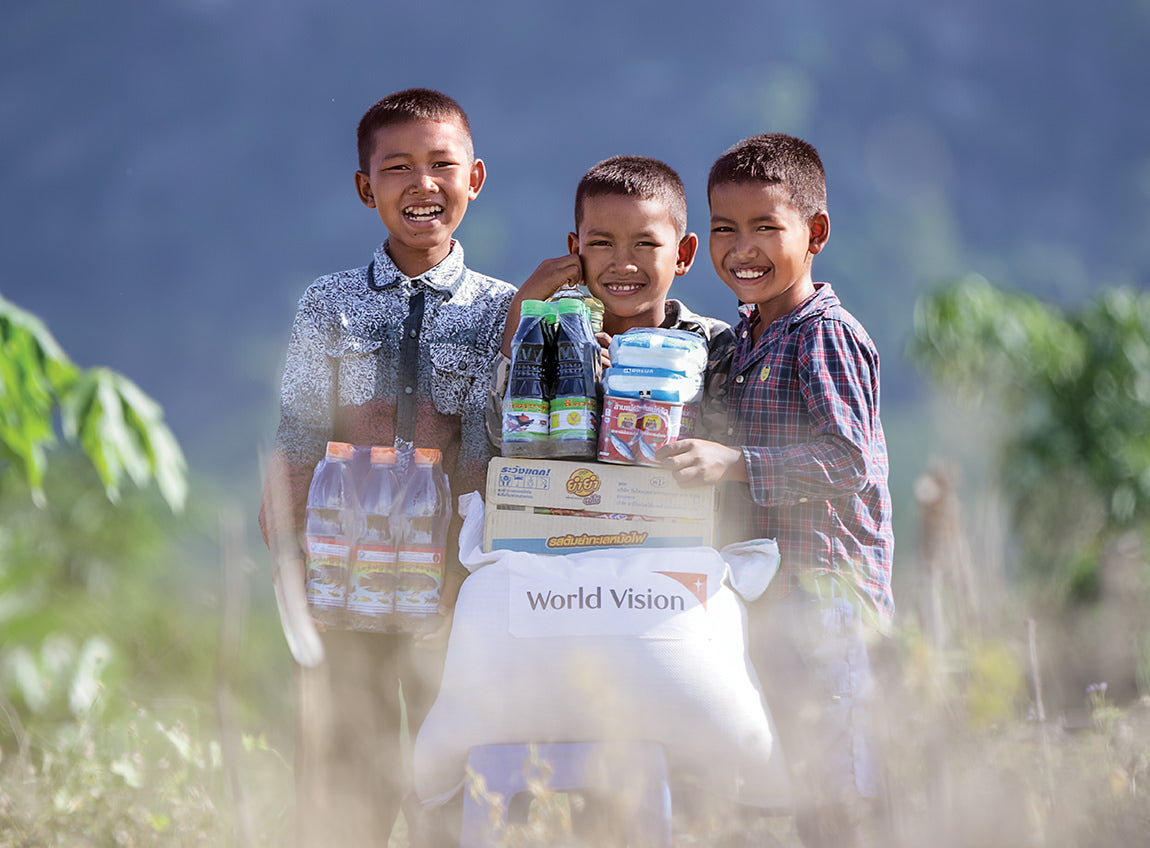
(551, 406)
(376, 534)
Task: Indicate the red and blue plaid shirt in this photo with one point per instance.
(804, 408)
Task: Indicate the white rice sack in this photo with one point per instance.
(654, 347)
(598, 646)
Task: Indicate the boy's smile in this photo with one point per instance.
(762, 248)
(631, 253)
(421, 177)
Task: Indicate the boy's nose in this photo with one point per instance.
(426, 182)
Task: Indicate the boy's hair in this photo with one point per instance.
(775, 159)
(412, 104)
(635, 176)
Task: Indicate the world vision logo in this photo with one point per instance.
(696, 584)
(583, 483)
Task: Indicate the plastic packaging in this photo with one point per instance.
(371, 597)
(330, 531)
(421, 557)
(525, 403)
(655, 383)
(574, 405)
(594, 305)
(654, 347)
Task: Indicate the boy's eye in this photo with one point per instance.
(720, 228)
(598, 243)
(396, 168)
(443, 164)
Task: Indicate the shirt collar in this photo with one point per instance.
(445, 277)
(822, 300)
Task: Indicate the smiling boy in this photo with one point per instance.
(398, 353)
(630, 243)
(804, 435)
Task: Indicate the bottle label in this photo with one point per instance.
(420, 569)
(327, 568)
(373, 580)
(573, 418)
(524, 419)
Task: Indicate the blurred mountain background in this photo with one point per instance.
(176, 172)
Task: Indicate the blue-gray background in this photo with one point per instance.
(175, 172)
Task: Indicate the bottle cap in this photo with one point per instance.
(383, 456)
(426, 456)
(339, 450)
(570, 306)
(532, 307)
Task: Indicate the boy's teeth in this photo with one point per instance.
(744, 274)
(422, 211)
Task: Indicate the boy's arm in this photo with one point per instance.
(838, 384)
(697, 462)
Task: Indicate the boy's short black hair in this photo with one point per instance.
(635, 176)
(411, 104)
(775, 159)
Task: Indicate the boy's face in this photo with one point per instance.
(631, 253)
(420, 180)
(762, 247)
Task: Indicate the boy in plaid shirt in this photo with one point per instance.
(803, 394)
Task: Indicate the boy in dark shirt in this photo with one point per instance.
(804, 422)
(397, 353)
(629, 245)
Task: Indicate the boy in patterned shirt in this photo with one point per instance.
(629, 245)
(804, 420)
(397, 352)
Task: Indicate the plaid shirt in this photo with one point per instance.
(804, 407)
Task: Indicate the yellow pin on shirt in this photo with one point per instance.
(766, 372)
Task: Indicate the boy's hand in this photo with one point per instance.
(697, 462)
(548, 278)
(437, 637)
(552, 275)
(604, 340)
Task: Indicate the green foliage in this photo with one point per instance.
(1071, 390)
(118, 426)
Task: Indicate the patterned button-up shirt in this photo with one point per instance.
(804, 408)
(343, 379)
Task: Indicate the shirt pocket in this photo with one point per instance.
(455, 368)
(359, 368)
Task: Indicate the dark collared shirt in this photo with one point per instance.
(804, 408)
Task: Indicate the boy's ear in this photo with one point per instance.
(363, 190)
(688, 247)
(478, 177)
(819, 226)
(573, 243)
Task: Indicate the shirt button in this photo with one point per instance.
(730, 431)
(739, 379)
(411, 332)
(802, 500)
(407, 390)
(744, 334)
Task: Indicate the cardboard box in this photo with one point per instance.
(547, 506)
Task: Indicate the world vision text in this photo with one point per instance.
(626, 599)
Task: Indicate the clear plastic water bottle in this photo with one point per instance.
(421, 558)
(525, 403)
(574, 406)
(371, 597)
(330, 531)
